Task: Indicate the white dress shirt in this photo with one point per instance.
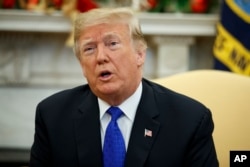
(125, 122)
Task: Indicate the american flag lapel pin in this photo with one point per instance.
(148, 133)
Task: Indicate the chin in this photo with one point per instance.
(107, 89)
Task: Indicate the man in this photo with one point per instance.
(158, 126)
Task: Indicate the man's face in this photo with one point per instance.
(109, 60)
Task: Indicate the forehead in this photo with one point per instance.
(101, 31)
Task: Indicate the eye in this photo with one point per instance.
(88, 49)
(113, 44)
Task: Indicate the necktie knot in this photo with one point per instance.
(115, 113)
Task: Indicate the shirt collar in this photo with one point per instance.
(129, 106)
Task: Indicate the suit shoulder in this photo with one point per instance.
(164, 95)
(178, 108)
(65, 95)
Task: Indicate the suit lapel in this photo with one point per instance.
(87, 131)
(139, 143)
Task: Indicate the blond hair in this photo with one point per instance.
(109, 15)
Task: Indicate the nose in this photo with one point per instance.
(101, 56)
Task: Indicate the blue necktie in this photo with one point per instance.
(114, 150)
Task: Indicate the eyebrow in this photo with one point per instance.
(87, 41)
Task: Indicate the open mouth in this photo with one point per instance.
(105, 74)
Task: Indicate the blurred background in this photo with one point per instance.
(37, 60)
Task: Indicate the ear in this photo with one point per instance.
(141, 54)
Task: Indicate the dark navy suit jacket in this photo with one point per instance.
(67, 132)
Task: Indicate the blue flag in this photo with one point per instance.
(232, 43)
